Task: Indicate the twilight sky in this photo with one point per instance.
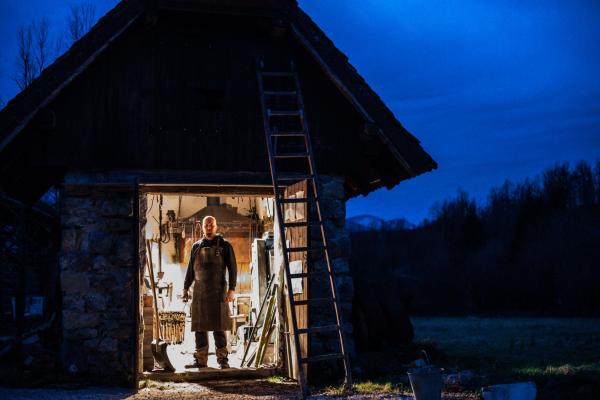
(494, 90)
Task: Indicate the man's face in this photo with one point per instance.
(209, 227)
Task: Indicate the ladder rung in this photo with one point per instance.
(284, 113)
(298, 200)
(323, 357)
(287, 134)
(290, 155)
(299, 249)
(282, 110)
(294, 177)
(303, 223)
(278, 74)
(308, 274)
(318, 329)
(314, 301)
(280, 93)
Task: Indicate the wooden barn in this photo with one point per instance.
(163, 111)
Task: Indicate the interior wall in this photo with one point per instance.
(187, 205)
(192, 203)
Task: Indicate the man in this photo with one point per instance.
(210, 256)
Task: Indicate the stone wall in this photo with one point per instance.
(333, 207)
(97, 264)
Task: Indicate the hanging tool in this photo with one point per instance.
(159, 346)
(160, 229)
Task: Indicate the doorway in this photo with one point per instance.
(247, 217)
(173, 224)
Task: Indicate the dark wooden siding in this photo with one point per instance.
(182, 95)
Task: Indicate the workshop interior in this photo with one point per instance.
(173, 224)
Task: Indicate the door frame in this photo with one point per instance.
(194, 189)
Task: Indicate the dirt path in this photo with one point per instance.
(158, 390)
(230, 390)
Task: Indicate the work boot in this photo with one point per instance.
(222, 357)
(200, 358)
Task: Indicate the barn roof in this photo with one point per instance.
(381, 122)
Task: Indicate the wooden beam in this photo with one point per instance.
(211, 374)
(7, 199)
(210, 190)
(351, 97)
(135, 300)
(167, 178)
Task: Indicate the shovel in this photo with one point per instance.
(159, 346)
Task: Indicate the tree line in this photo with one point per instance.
(533, 247)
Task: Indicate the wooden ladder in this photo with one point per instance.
(287, 91)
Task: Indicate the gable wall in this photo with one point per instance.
(183, 95)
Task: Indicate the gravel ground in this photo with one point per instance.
(231, 390)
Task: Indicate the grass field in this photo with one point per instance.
(562, 355)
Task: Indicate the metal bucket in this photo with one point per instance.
(426, 382)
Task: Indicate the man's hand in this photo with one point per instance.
(229, 296)
(185, 295)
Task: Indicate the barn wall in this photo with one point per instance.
(97, 260)
(184, 95)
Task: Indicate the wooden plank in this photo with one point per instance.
(298, 238)
(209, 190)
(157, 177)
(323, 357)
(136, 298)
(211, 374)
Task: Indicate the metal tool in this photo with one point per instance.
(159, 346)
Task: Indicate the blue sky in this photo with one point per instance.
(494, 90)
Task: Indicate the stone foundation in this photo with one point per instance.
(98, 265)
(333, 207)
(97, 261)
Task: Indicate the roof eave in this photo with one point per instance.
(394, 128)
(20, 124)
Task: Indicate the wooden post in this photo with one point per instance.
(24, 256)
(136, 284)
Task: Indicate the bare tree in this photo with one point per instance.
(59, 45)
(80, 20)
(25, 59)
(33, 42)
(41, 33)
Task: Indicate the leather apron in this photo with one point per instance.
(210, 311)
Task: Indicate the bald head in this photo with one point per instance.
(209, 226)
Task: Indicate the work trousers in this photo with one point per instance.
(202, 339)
